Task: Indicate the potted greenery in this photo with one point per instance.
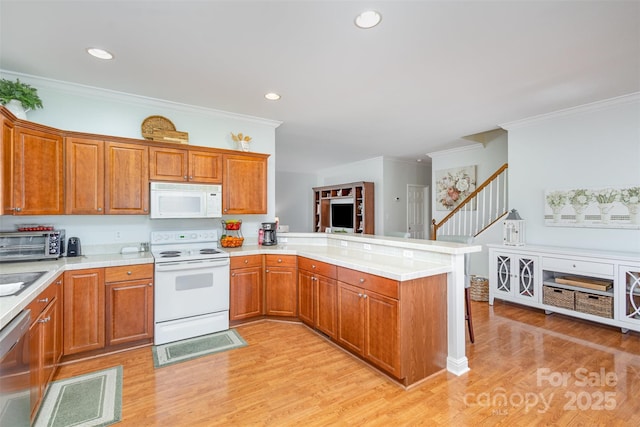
(19, 97)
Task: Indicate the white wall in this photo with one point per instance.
(397, 175)
(294, 200)
(85, 109)
(597, 145)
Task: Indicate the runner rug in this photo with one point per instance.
(180, 351)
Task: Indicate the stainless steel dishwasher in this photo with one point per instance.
(15, 399)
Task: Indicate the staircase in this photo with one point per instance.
(486, 205)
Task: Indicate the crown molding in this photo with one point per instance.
(457, 150)
(133, 100)
(593, 106)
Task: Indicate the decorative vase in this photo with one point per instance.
(633, 212)
(579, 209)
(605, 208)
(17, 109)
(244, 146)
(557, 214)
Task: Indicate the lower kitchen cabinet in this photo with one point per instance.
(281, 285)
(246, 296)
(318, 295)
(45, 340)
(129, 303)
(306, 297)
(83, 310)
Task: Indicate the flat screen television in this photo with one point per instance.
(342, 215)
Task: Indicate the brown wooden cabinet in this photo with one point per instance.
(84, 189)
(129, 304)
(36, 171)
(244, 188)
(368, 321)
(358, 195)
(6, 156)
(280, 284)
(246, 292)
(184, 165)
(84, 307)
(45, 340)
(317, 295)
(127, 178)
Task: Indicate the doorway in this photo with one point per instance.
(418, 211)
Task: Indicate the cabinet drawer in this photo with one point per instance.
(128, 272)
(318, 267)
(280, 260)
(41, 302)
(577, 267)
(246, 261)
(371, 282)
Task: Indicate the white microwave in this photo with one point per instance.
(177, 200)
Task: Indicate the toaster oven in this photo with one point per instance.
(31, 245)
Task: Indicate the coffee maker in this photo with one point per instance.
(269, 237)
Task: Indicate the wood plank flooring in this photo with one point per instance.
(526, 369)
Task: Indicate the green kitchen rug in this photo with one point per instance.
(88, 400)
(180, 351)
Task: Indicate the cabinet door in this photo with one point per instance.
(281, 291)
(168, 164)
(129, 311)
(127, 179)
(244, 185)
(83, 322)
(628, 288)
(35, 356)
(501, 275)
(327, 305)
(51, 339)
(6, 168)
(85, 176)
(527, 283)
(306, 292)
(245, 293)
(382, 332)
(351, 317)
(205, 167)
(38, 171)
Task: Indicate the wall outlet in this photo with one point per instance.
(367, 246)
(407, 254)
(118, 235)
(343, 243)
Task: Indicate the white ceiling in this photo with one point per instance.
(431, 73)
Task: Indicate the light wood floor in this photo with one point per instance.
(288, 375)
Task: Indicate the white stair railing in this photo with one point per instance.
(486, 205)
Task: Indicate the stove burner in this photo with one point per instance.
(209, 251)
(170, 253)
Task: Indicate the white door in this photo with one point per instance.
(417, 208)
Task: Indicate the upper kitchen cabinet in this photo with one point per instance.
(35, 172)
(6, 157)
(244, 188)
(184, 165)
(127, 178)
(84, 189)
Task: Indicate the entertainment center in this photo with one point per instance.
(344, 208)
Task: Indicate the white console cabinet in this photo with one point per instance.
(593, 285)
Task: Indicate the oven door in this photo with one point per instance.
(191, 288)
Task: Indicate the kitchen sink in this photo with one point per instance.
(14, 283)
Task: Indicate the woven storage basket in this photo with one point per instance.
(558, 297)
(479, 289)
(598, 305)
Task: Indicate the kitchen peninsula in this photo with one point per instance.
(411, 274)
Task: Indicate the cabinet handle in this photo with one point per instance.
(361, 280)
(360, 295)
(233, 274)
(190, 177)
(246, 261)
(146, 209)
(279, 259)
(185, 177)
(266, 271)
(59, 282)
(313, 266)
(44, 300)
(365, 296)
(18, 209)
(99, 209)
(45, 320)
(150, 284)
(128, 273)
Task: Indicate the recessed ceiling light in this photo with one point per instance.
(272, 96)
(368, 19)
(99, 53)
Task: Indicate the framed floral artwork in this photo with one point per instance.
(612, 207)
(453, 186)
